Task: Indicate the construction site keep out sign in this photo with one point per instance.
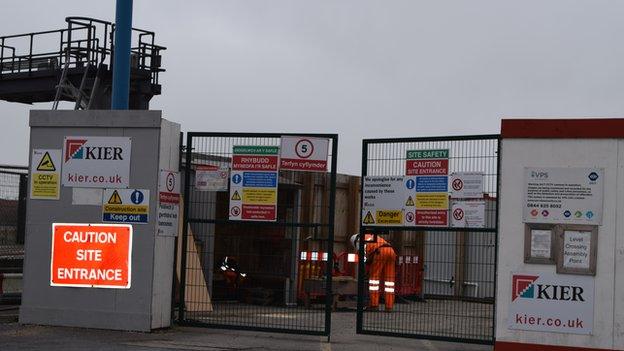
(91, 255)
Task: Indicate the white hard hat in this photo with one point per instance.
(354, 238)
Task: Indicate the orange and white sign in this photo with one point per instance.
(91, 255)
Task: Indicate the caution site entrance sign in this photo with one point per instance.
(91, 255)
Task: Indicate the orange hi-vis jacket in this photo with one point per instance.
(382, 259)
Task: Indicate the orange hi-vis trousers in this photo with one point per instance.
(382, 268)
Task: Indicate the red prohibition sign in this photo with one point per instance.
(409, 217)
(235, 211)
(458, 184)
(170, 182)
(458, 214)
(304, 148)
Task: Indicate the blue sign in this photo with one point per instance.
(124, 218)
(260, 179)
(236, 178)
(593, 176)
(431, 184)
(137, 197)
(410, 184)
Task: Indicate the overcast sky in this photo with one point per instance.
(360, 68)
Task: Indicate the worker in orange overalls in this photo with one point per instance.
(381, 260)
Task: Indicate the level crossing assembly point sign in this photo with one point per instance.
(45, 174)
(253, 183)
(96, 162)
(304, 153)
(91, 255)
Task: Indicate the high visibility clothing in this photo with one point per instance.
(382, 268)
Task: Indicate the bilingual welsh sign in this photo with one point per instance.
(563, 195)
(253, 183)
(91, 255)
(168, 203)
(298, 153)
(211, 178)
(96, 162)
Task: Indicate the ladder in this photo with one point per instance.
(67, 89)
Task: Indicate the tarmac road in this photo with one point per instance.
(16, 337)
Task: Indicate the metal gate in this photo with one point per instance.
(445, 283)
(256, 275)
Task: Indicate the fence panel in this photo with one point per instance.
(445, 273)
(272, 276)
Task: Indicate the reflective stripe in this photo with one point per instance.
(390, 290)
(373, 288)
(351, 258)
(325, 255)
(373, 281)
(314, 256)
(304, 255)
(389, 283)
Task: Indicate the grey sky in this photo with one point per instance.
(361, 68)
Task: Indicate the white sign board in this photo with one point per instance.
(211, 178)
(45, 171)
(96, 162)
(388, 201)
(576, 249)
(467, 185)
(468, 214)
(547, 302)
(563, 195)
(168, 203)
(541, 242)
(298, 153)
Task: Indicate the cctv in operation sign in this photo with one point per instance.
(91, 255)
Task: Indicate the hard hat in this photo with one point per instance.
(354, 238)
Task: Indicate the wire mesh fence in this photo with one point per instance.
(444, 287)
(261, 275)
(13, 182)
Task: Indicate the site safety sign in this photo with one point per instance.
(388, 201)
(126, 205)
(168, 203)
(91, 255)
(431, 167)
(427, 162)
(253, 183)
(96, 162)
(45, 174)
(298, 153)
(211, 178)
(467, 185)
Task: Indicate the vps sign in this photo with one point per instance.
(96, 162)
(552, 303)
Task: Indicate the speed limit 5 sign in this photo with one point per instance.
(299, 153)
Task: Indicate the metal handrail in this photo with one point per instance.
(84, 41)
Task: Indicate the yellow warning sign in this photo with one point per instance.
(115, 199)
(409, 202)
(260, 196)
(45, 178)
(236, 196)
(389, 216)
(46, 163)
(368, 219)
(432, 201)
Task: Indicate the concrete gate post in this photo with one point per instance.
(151, 145)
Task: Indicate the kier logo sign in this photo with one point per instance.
(549, 302)
(96, 162)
